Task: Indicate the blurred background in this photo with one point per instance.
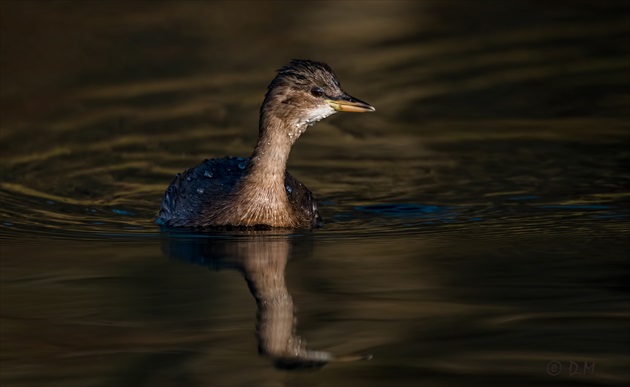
(477, 222)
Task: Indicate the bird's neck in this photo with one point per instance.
(261, 193)
(269, 161)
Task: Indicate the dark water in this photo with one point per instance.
(477, 223)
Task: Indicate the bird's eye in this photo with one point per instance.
(317, 91)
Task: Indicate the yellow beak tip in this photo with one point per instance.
(351, 107)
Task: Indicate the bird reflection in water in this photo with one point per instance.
(261, 256)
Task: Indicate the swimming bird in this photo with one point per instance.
(258, 192)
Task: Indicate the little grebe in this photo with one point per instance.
(258, 191)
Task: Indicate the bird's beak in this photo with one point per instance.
(346, 103)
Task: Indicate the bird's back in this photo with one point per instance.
(198, 194)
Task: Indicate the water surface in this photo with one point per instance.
(476, 223)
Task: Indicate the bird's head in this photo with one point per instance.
(304, 92)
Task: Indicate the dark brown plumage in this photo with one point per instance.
(258, 191)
